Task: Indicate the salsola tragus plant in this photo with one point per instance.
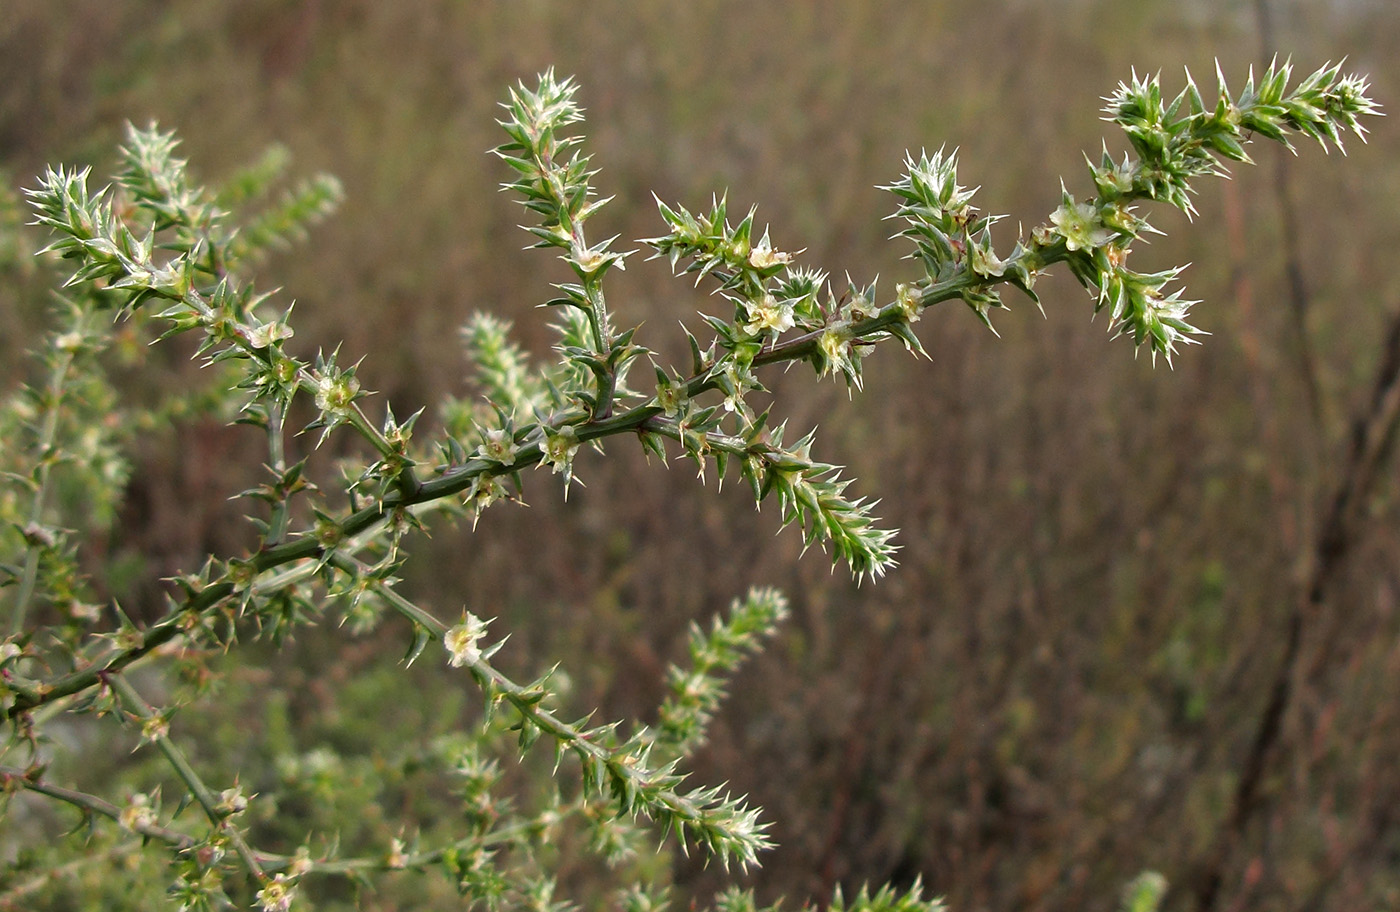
(170, 256)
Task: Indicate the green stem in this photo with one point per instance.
(44, 458)
(506, 835)
(90, 804)
(526, 701)
(268, 862)
(277, 459)
(208, 801)
(170, 627)
(804, 346)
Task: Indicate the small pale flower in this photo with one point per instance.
(588, 259)
(485, 491)
(670, 397)
(276, 896)
(86, 612)
(285, 370)
(36, 535)
(769, 315)
(328, 532)
(269, 334)
(155, 728)
(559, 447)
(69, 343)
(232, 801)
(1120, 180)
(397, 859)
(335, 393)
(736, 384)
(462, 641)
(138, 813)
(908, 300)
(498, 446)
(985, 262)
(835, 346)
(301, 862)
(764, 257)
(1079, 224)
(860, 307)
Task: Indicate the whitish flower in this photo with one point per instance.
(461, 641)
(764, 256)
(335, 393)
(735, 386)
(559, 447)
(87, 612)
(155, 728)
(268, 333)
(1079, 224)
(670, 396)
(301, 862)
(397, 858)
(498, 446)
(285, 370)
(835, 344)
(276, 896)
(138, 813)
(232, 800)
(70, 342)
(908, 302)
(485, 491)
(588, 259)
(768, 314)
(985, 262)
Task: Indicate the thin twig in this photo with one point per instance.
(207, 800)
(13, 777)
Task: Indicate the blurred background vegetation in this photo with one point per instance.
(1106, 567)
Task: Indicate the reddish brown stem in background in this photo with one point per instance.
(1373, 436)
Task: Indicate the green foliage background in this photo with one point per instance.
(1056, 688)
